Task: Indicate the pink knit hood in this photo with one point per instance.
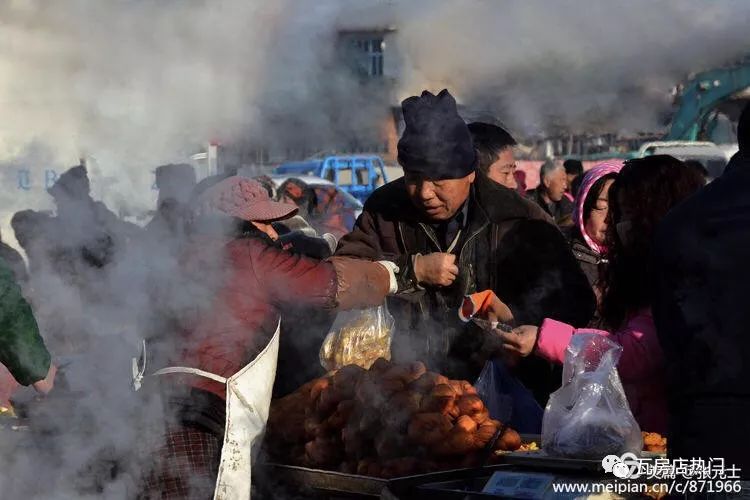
(589, 179)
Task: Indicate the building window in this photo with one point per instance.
(370, 55)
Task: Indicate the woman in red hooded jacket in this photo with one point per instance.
(235, 283)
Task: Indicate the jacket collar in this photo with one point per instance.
(499, 203)
(477, 220)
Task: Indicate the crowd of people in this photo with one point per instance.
(642, 252)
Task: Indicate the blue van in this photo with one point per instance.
(356, 175)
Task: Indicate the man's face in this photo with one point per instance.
(503, 171)
(555, 184)
(438, 200)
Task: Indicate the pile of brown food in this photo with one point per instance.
(389, 421)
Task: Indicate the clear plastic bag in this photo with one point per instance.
(589, 416)
(358, 337)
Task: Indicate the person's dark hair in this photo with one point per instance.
(596, 189)
(650, 187)
(301, 193)
(575, 186)
(267, 183)
(489, 141)
(573, 167)
(590, 202)
(698, 167)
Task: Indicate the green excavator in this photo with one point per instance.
(702, 128)
(696, 118)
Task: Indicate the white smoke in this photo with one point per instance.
(134, 84)
(597, 66)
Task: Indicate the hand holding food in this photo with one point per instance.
(487, 306)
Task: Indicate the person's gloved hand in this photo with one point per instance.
(485, 305)
(497, 310)
(332, 241)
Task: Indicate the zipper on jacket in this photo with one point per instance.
(466, 243)
(401, 237)
(431, 235)
(420, 302)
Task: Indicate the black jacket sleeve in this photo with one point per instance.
(538, 277)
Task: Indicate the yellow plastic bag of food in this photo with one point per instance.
(358, 337)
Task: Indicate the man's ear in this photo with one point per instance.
(546, 182)
(471, 177)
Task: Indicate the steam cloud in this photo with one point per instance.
(586, 66)
(133, 84)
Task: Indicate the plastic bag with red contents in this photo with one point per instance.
(589, 416)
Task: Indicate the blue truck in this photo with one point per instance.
(356, 175)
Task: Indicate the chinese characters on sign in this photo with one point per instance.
(679, 475)
(26, 179)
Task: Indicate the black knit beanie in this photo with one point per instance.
(436, 141)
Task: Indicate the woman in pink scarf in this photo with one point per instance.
(641, 196)
(587, 238)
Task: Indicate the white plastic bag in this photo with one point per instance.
(358, 337)
(589, 416)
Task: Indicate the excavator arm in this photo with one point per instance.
(701, 95)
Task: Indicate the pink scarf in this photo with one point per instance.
(589, 178)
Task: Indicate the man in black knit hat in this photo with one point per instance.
(451, 233)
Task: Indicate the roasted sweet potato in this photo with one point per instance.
(380, 365)
(467, 424)
(470, 405)
(481, 417)
(340, 417)
(318, 386)
(428, 428)
(508, 441)
(458, 442)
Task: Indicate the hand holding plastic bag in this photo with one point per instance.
(589, 416)
(358, 337)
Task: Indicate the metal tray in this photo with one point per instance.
(408, 487)
(540, 460)
(301, 480)
(304, 481)
(461, 489)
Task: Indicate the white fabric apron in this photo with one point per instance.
(248, 401)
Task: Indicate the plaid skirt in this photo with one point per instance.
(181, 460)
